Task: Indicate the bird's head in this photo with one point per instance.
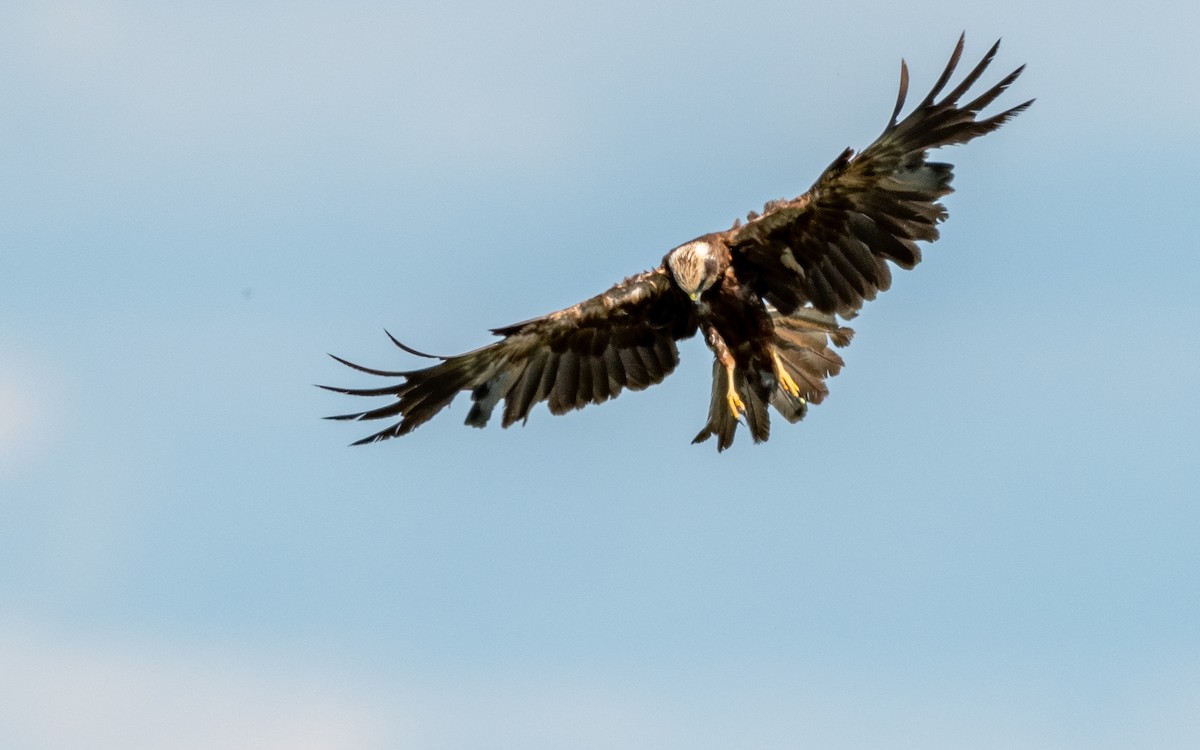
(695, 266)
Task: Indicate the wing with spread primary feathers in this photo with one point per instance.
(623, 338)
(829, 247)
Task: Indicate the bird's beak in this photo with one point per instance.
(695, 296)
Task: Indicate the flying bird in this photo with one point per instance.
(766, 294)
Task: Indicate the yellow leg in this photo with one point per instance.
(782, 378)
(731, 396)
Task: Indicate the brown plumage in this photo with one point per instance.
(764, 294)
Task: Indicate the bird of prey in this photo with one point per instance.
(767, 294)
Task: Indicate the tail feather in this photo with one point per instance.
(756, 395)
(721, 421)
(802, 340)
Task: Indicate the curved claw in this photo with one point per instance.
(736, 405)
(782, 378)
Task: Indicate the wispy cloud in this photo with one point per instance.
(63, 693)
(66, 692)
(26, 415)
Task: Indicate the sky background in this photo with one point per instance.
(988, 536)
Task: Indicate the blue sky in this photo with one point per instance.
(986, 537)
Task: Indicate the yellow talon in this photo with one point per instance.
(735, 404)
(783, 379)
(732, 398)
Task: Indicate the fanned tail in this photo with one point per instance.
(722, 422)
(802, 341)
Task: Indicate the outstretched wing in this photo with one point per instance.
(623, 338)
(829, 247)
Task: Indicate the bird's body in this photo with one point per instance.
(765, 294)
